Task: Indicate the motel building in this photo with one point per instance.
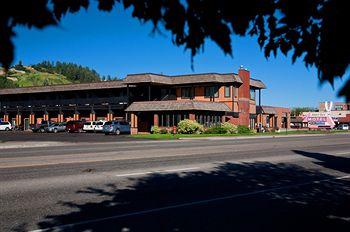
(147, 100)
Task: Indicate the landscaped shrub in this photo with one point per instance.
(222, 128)
(188, 126)
(215, 129)
(164, 131)
(243, 130)
(229, 128)
(155, 130)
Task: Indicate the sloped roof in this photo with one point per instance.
(257, 84)
(265, 110)
(182, 79)
(177, 105)
(66, 87)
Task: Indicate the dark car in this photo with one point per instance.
(40, 127)
(116, 127)
(75, 126)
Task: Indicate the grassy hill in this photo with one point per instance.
(47, 73)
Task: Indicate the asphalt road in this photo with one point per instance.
(270, 184)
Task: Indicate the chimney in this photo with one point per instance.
(244, 74)
(244, 96)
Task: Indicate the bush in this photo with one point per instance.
(189, 127)
(164, 131)
(223, 128)
(155, 130)
(229, 128)
(215, 129)
(243, 130)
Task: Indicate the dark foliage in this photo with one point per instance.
(313, 30)
(5, 83)
(74, 72)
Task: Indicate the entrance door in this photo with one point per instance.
(26, 124)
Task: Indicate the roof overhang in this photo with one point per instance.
(189, 105)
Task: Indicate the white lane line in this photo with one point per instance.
(161, 171)
(193, 203)
(342, 153)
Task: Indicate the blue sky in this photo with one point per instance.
(116, 44)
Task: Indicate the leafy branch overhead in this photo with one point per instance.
(313, 30)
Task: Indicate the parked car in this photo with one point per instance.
(5, 126)
(89, 126)
(40, 127)
(116, 127)
(75, 126)
(56, 127)
(343, 127)
(99, 126)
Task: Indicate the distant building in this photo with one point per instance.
(339, 113)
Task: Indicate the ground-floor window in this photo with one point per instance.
(168, 120)
(208, 120)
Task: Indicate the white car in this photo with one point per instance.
(99, 126)
(5, 126)
(343, 127)
(89, 126)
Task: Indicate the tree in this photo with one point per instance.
(74, 72)
(313, 30)
(296, 111)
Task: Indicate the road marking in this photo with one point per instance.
(342, 153)
(154, 172)
(193, 203)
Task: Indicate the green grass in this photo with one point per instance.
(39, 79)
(177, 136)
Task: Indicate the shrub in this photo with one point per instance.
(189, 127)
(155, 130)
(223, 128)
(215, 129)
(163, 131)
(243, 129)
(229, 128)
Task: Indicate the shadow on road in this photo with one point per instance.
(305, 205)
(341, 164)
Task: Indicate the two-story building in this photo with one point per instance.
(144, 100)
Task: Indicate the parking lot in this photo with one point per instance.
(7, 136)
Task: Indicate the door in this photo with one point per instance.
(26, 124)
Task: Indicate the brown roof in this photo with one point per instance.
(66, 87)
(177, 105)
(138, 78)
(257, 84)
(265, 110)
(182, 79)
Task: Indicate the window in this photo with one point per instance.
(235, 92)
(186, 92)
(227, 91)
(211, 91)
(252, 94)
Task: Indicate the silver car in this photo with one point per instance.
(56, 127)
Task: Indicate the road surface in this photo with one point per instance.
(271, 184)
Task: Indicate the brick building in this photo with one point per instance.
(143, 99)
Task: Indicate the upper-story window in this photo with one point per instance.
(211, 91)
(186, 92)
(227, 91)
(252, 94)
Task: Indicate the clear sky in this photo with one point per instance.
(116, 44)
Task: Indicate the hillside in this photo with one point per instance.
(30, 77)
(46, 73)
